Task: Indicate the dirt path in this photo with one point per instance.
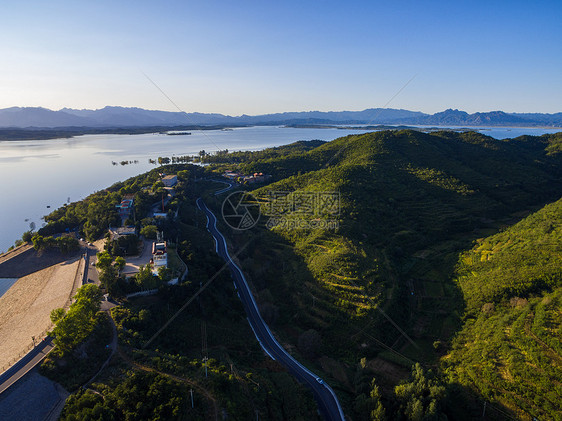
(25, 308)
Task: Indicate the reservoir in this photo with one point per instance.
(39, 176)
(5, 284)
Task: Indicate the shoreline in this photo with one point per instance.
(25, 134)
(47, 133)
(4, 282)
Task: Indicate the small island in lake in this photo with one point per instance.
(178, 133)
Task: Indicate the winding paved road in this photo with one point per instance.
(230, 185)
(327, 401)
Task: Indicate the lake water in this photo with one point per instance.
(39, 176)
(5, 284)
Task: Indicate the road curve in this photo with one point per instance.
(230, 185)
(327, 401)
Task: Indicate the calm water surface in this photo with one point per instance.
(40, 176)
(5, 284)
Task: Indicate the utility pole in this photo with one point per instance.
(484, 411)
(191, 391)
(204, 344)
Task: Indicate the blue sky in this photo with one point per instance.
(255, 57)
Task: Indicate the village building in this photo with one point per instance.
(125, 208)
(159, 256)
(170, 180)
(118, 232)
(252, 178)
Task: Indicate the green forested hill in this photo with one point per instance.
(404, 192)
(510, 347)
(380, 286)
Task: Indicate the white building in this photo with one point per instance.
(159, 256)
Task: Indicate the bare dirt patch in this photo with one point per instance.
(25, 308)
(387, 373)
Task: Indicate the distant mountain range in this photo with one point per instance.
(36, 117)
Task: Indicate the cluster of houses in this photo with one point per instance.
(159, 255)
(256, 177)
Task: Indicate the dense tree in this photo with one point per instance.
(142, 396)
(149, 231)
(146, 279)
(104, 260)
(57, 314)
(378, 413)
(164, 273)
(78, 322)
(370, 408)
(64, 243)
(109, 277)
(125, 245)
(120, 263)
(67, 244)
(420, 397)
(184, 175)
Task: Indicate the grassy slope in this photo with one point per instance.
(509, 348)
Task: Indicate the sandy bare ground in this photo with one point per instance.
(25, 308)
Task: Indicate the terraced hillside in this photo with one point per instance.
(379, 286)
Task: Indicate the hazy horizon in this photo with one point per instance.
(253, 58)
(282, 112)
